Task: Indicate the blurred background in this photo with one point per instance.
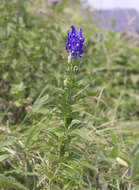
(112, 4)
(123, 13)
(104, 153)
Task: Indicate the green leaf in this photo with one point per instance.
(111, 176)
(135, 165)
(6, 143)
(3, 157)
(90, 166)
(115, 151)
(135, 148)
(84, 134)
(11, 183)
(16, 88)
(39, 103)
(32, 179)
(32, 133)
(114, 138)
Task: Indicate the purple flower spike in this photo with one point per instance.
(75, 42)
(95, 35)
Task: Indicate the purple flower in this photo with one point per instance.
(95, 35)
(101, 37)
(55, 1)
(74, 42)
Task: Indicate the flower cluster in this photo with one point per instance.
(75, 42)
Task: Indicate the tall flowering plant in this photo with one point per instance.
(74, 47)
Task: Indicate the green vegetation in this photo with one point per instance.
(75, 134)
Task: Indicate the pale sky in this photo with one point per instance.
(105, 4)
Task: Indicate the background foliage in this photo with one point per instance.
(102, 151)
